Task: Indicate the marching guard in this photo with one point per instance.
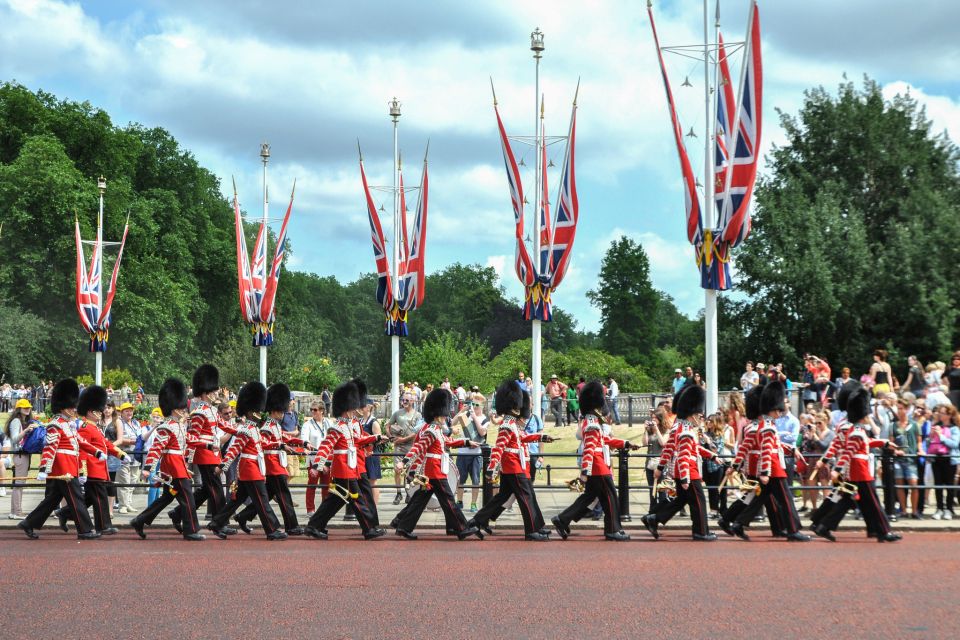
(168, 453)
(203, 445)
(93, 400)
(595, 472)
(855, 466)
(60, 464)
(429, 456)
(509, 459)
(251, 469)
(363, 482)
(686, 456)
(275, 443)
(338, 452)
(830, 457)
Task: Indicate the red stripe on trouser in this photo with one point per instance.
(73, 505)
(263, 508)
(700, 525)
(789, 520)
(878, 514)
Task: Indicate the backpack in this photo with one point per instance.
(35, 441)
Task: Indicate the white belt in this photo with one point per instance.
(509, 450)
(435, 456)
(861, 456)
(520, 453)
(69, 452)
(207, 439)
(249, 456)
(172, 452)
(342, 452)
(275, 452)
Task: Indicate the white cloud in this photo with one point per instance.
(943, 111)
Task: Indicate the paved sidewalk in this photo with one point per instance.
(552, 501)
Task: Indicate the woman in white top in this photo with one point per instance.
(19, 425)
(313, 431)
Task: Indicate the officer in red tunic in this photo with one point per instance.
(246, 445)
(169, 452)
(855, 465)
(429, 456)
(686, 455)
(830, 458)
(509, 457)
(60, 461)
(747, 461)
(366, 489)
(772, 471)
(203, 445)
(92, 402)
(277, 444)
(338, 452)
(595, 470)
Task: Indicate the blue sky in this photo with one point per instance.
(311, 78)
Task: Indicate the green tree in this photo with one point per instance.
(627, 301)
(447, 354)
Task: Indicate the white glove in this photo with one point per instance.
(42, 476)
(83, 480)
(101, 455)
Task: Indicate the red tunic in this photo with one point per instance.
(202, 433)
(246, 444)
(838, 443)
(771, 451)
(856, 460)
(689, 458)
(340, 445)
(96, 469)
(273, 439)
(510, 451)
(428, 452)
(170, 448)
(61, 453)
(595, 459)
(749, 450)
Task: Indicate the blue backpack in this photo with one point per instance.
(35, 440)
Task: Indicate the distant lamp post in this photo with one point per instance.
(536, 43)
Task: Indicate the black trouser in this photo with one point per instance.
(94, 495)
(513, 484)
(184, 497)
(693, 496)
(211, 488)
(943, 473)
(54, 492)
(278, 489)
(774, 517)
(366, 498)
(601, 487)
(718, 498)
(889, 483)
(869, 503)
(333, 503)
(440, 487)
(256, 492)
(778, 495)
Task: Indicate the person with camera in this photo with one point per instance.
(473, 425)
(654, 439)
(816, 437)
(906, 435)
(402, 430)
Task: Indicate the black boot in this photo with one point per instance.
(22, 525)
(138, 527)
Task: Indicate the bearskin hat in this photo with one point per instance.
(278, 397)
(172, 395)
(205, 379)
(690, 401)
(251, 399)
(751, 401)
(773, 398)
(93, 398)
(508, 399)
(346, 397)
(591, 398)
(361, 390)
(436, 405)
(525, 406)
(858, 403)
(844, 393)
(65, 395)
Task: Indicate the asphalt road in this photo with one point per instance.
(503, 587)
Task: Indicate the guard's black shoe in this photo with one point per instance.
(822, 532)
(296, 531)
(22, 525)
(395, 523)
(725, 526)
(217, 531)
(374, 533)
(483, 527)
(62, 519)
(536, 536)
(110, 531)
(314, 533)
(708, 537)
(138, 527)
(243, 525)
(177, 523)
(890, 537)
(545, 531)
(561, 528)
(230, 531)
(619, 536)
(739, 532)
(798, 537)
(406, 534)
(469, 531)
(89, 535)
(279, 534)
(194, 537)
(650, 522)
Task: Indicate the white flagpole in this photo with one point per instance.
(710, 303)
(395, 266)
(102, 185)
(265, 156)
(536, 45)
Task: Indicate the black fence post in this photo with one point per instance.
(548, 475)
(485, 481)
(623, 485)
(630, 410)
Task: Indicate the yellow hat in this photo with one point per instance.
(124, 406)
(233, 403)
(23, 403)
(157, 412)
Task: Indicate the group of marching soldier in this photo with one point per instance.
(190, 436)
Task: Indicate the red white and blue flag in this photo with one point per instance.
(522, 263)
(567, 212)
(384, 292)
(93, 308)
(414, 271)
(248, 307)
(268, 303)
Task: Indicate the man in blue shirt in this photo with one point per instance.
(678, 380)
(789, 429)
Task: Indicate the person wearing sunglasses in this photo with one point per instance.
(473, 425)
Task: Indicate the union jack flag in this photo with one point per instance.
(384, 294)
(522, 263)
(414, 271)
(568, 211)
(546, 230)
(268, 303)
(248, 308)
(93, 309)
